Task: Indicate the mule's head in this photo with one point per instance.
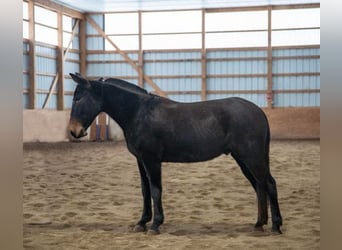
(86, 105)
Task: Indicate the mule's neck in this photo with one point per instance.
(120, 104)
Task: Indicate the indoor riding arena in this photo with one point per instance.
(86, 193)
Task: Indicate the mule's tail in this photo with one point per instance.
(272, 192)
(267, 144)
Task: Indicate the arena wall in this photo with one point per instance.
(285, 123)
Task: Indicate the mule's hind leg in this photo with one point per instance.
(262, 206)
(246, 173)
(261, 191)
(277, 220)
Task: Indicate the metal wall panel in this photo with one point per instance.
(99, 20)
(296, 52)
(68, 101)
(40, 98)
(185, 98)
(26, 62)
(258, 99)
(95, 43)
(69, 84)
(110, 57)
(110, 69)
(211, 54)
(250, 74)
(236, 67)
(173, 68)
(71, 67)
(177, 84)
(46, 68)
(72, 56)
(76, 43)
(296, 82)
(296, 66)
(244, 83)
(44, 82)
(171, 55)
(26, 81)
(302, 74)
(46, 50)
(46, 65)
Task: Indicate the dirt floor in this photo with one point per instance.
(87, 196)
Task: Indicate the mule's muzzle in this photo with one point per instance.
(76, 129)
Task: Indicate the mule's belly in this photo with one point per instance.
(192, 153)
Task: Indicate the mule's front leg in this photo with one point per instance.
(146, 193)
(153, 170)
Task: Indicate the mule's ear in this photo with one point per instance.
(79, 79)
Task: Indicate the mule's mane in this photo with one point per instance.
(126, 85)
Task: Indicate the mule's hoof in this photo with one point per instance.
(259, 229)
(276, 230)
(153, 232)
(139, 228)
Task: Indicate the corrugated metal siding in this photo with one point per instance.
(95, 43)
(236, 84)
(237, 67)
(296, 52)
(26, 81)
(68, 101)
(76, 43)
(110, 69)
(178, 84)
(306, 78)
(258, 99)
(173, 68)
(71, 67)
(296, 82)
(44, 82)
(110, 57)
(46, 68)
(47, 51)
(69, 84)
(175, 71)
(72, 56)
(99, 20)
(296, 66)
(172, 55)
(235, 53)
(185, 98)
(40, 98)
(46, 65)
(237, 71)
